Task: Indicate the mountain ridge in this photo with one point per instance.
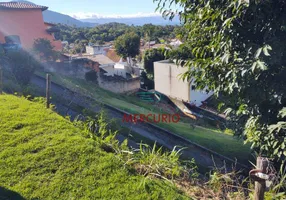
(138, 21)
(56, 17)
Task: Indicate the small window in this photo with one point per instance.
(13, 39)
(193, 87)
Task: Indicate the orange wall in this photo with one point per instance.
(26, 23)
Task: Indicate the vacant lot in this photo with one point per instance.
(212, 139)
(43, 156)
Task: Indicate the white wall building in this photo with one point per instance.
(167, 81)
(97, 49)
(121, 69)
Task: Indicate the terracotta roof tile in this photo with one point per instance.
(111, 54)
(20, 5)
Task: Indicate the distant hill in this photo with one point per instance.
(138, 21)
(55, 17)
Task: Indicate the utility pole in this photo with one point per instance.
(48, 89)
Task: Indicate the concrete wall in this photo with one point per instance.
(77, 70)
(95, 50)
(118, 84)
(28, 24)
(167, 80)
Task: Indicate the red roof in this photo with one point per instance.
(20, 5)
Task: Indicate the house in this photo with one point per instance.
(124, 69)
(151, 43)
(168, 82)
(22, 23)
(97, 49)
(175, 43)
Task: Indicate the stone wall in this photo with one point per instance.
(118, 84)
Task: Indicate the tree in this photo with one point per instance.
(44, 48)
(151, 56)
(22, 65)
(91, 76)
(128, 45)
(236, 49)
(149, 31)
(147, 83)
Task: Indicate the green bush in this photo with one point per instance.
(151, 56)
(22, 66)
(91, 76)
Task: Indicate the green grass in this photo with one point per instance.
(43, 156)
(215, 140)
(224, 144)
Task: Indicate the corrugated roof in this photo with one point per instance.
(21, 5)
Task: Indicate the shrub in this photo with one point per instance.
(22, 66)
(45, 49)
(148, 83)
(91, 76)
(153, 161)
(98, 129)
(151, 56)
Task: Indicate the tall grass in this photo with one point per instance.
(156, 162)
(148, 161)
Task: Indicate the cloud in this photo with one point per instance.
(86, 15)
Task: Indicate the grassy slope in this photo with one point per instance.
(211, 139)
(43, 156)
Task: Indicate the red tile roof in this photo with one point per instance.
(20, 5)
(111, 54)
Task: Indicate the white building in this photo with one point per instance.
(121, 69)
(97, 49)
(175, 43)
(167, 81)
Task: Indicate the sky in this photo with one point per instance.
(82, 9)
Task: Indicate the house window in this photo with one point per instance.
(12, 39)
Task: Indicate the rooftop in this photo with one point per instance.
(101, 59)
(21, 5)
(165, 61)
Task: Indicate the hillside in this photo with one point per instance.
(44, 156)
(55, 17)
(137, 21)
